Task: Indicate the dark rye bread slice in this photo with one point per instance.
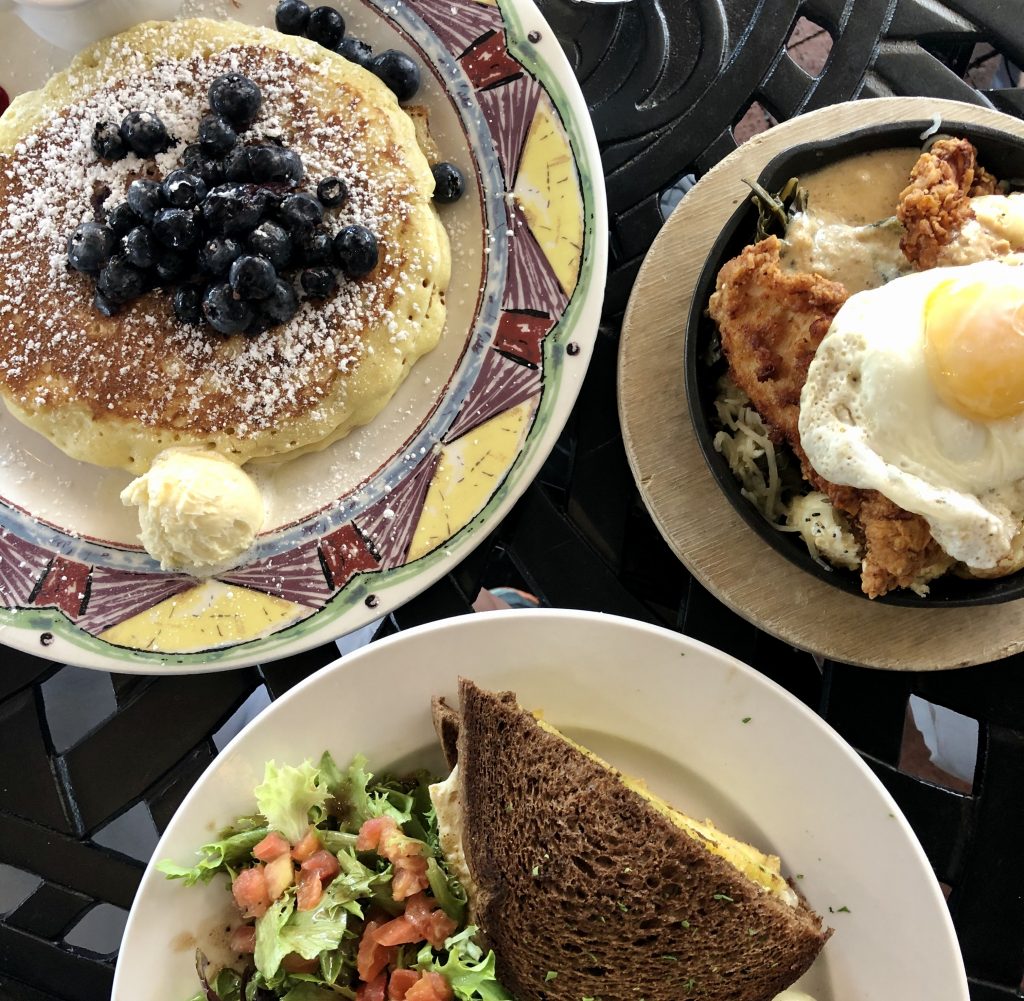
(446, 726)
(586, 891)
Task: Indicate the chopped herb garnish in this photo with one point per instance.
(535, 871)
(686, 924)
(839, 910)
(669, 958)
(725, 897)
(690, 984)
(746, 719)
(550, 975)
(622, 907)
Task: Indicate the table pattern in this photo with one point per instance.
(92, 765)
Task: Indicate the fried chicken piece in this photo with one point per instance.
(936, 203)
(771, 323)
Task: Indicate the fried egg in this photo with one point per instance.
(917, 391)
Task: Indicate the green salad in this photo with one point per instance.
(342, 891)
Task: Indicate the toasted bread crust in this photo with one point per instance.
(580, 877)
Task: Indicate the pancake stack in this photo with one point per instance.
(117, 390)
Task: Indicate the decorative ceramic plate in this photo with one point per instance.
(357, 529)
(708, 733)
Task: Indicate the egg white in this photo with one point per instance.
(870, 418)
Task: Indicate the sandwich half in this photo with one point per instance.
(590, 888)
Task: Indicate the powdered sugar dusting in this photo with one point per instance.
(143, 364)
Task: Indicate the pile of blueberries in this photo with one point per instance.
(398, 71)
(226, 230)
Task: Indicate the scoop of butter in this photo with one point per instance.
(198, 511)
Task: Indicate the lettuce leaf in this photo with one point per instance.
(227, 856)
(470, 973)
(353, 789)
(288, 794)
(284, 929)
(447, 890)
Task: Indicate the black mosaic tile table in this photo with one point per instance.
(92, 766)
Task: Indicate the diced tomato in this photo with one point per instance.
(310, 890)
(382, 834)
(250, 892)
(294, 963)
(400, 982)
(309, 844)
(371, 832)
(243, 939)
(417, 910)
(410, 876)
(430, 987)
(372, 957)
(397, 931)
(324, 864)
(440, 927)
(271, 846)
(374, 990)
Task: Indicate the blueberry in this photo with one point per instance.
(271, 241)
(144, 133)
(216, 136)
(314, 247)
(355, 50)
(140, 248)
(236, 164)
(122, 219)
(232, 209)
(237, 98)
(104, 305)
(90, 246)
(398, 71)
(176, 228)
(120, 281)
(281, 305)
(449, 184)
(319, 283)
(252, 277)
(355, 250)
(107, 142)
(291, 17)
(144, 198)
(225, 313)
(300, 212)
(326, 26)
(331, 191)
(182, 189)
(270, 163)
(172, 265)
(188, 304)
(210, 170)
(217, 254)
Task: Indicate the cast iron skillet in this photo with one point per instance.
(1002, 155)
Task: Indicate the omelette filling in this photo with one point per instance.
(760, 868)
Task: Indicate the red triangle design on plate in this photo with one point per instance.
(391, 522)
(65, 585)
(487, 62)
(346, 552)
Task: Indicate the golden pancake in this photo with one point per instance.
(115, 391)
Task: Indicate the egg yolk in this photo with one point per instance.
(974, 347)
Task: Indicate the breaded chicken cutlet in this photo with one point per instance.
(771, 323)
(936, 203)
